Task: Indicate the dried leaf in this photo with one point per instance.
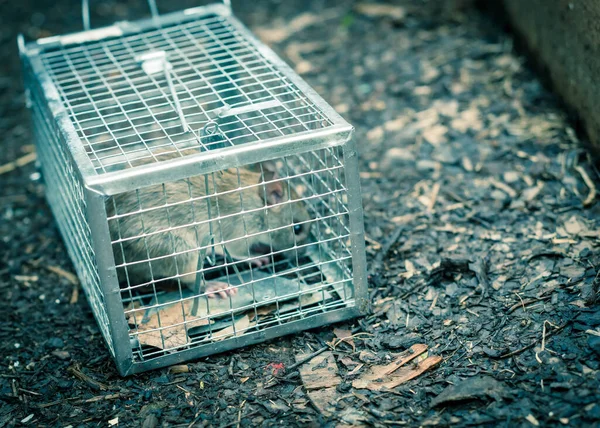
(348, 362)
(320, 372)
(236, 329)
(406, 373)
(177, 317)
(344, 336)
(376, 373)
(324, 400)
(474, 388)
(410, 269)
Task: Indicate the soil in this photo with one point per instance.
(482, 231)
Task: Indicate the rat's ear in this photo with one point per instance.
(274, 188)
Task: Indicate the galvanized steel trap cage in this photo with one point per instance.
(208, 197)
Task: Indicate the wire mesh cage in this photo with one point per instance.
(209, 199)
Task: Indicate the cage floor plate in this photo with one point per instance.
(176, 318)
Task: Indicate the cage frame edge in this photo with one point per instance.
(105, 263)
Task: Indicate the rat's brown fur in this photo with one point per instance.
(228, 223)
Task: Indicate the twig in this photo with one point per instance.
(335, 342)
(517, 305)
(385, 249)
(504, 187)
(17, 163)
(531, 345)
(74, 295)
(307, 358)
(524, 303)
(544, 333)
(446, 265)
(103, 398)
(421, 283)
(75, 400)
(85, 378)
(480, 267)
(239, 419)
(545, 253)
(61, 272)
(196, 419)
(52, 403)
(589, 183)
(29, 392)
(230, 424)
(434, 195)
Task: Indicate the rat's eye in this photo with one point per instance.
(298, 229)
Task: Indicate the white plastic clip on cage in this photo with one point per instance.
(209, 199)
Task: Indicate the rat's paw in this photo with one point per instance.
(219, 289)
(262, 261)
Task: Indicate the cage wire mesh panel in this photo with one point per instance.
(185, 258)
(280, 249)
(66, 197)
(121, 103)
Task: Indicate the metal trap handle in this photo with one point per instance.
(85, 11)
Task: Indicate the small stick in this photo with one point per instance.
(61, 272)
(308, 358)
(85, 378)
(523, 303)
(531, 345)
(74, 295)
(385, 249)
(17, 163)
(52, 403)
(318, 352)
(29, 392)
(101, 398)
(544, 333)
(589, 183)
(434, 194)
(504, 187)
(335, 342)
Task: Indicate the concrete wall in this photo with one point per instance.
(564, 35)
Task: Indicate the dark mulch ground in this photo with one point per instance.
(482, 240)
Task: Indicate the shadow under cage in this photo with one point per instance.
(208, 198)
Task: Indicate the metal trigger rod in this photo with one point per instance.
(85, 12)
(169, 78)
(156, 62)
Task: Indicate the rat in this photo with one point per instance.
(183, 226)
